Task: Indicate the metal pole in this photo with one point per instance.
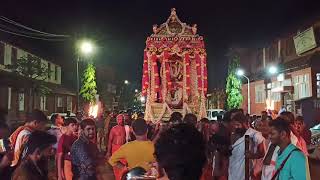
(246, 159)
(249, 104)
(78, 88)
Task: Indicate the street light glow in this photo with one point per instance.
(273, 70)
(86, 47)
(126, 82)
(240, 72)
(142, 99)
(136, 90)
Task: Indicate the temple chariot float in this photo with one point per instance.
(174, 70)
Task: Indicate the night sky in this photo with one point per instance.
(120, 28)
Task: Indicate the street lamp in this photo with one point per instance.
(273, 69)
(84, 48)
(136, 91)
(126, 82)
(240, 72)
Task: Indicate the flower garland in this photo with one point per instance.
(148, 112)
(164, 78)
(155, 75)
(145, 75)
(187, 74)
(199, 72)
(167, 72)
(202, 110)
(205, 75)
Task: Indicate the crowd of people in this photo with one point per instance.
(182, 148)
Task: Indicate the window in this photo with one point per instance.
(9, 98)
(14, 55)
(49, 71)
(55, 73)
(1, 53)
(58, 74)
(301, 84)
(43, 103)
(59, 102)
(215, 113)
(305, 88)
(21, 101)
(69, 103)
(269, 86)
(260, 93)
(276, 96)
(318, 85)
(52, 72)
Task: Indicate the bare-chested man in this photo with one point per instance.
(117, 138)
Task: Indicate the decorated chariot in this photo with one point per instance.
(174, 70)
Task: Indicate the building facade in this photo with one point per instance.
(296, 83)
(14, 94)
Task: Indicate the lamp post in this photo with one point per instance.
(85, 48)
(240, 72)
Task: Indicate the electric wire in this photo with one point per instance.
(27, 36)
(28, 28)
(14, 30)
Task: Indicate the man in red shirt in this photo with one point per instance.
(64, 147)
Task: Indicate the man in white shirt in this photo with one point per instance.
(57, 128)
(240, 128)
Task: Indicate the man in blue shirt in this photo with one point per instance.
(84, 153)
(291, 163)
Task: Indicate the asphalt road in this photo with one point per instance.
(107, 173)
